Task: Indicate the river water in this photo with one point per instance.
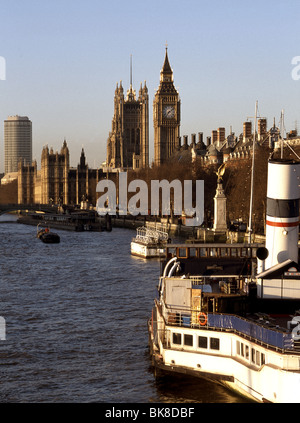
(76, 323)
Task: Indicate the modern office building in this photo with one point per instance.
(17, 142)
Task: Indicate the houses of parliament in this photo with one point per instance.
(128, 146)
(128, 141)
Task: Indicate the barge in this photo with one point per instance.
(78, 221)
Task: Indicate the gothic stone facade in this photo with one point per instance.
(128, 141)
(57, 182)
(166, 116)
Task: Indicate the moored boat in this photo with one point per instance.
(231, 313)
(74, 220)
(149, 243)
(47, 237)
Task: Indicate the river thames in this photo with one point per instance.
(76, 323)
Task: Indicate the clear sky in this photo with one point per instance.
(64, 58)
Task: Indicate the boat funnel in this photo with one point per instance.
(282, 217)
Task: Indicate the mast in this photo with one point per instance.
(281, 132)
(252, 177)
(131, 71)
(130, 92)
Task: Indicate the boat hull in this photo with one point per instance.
(269, 382)
(146, 251)
(50, 238)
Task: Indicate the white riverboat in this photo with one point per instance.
(149, 243)
(231, 312)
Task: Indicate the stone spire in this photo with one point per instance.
(166, 74)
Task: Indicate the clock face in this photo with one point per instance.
(169, 112)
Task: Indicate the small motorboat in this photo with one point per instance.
(47, 237)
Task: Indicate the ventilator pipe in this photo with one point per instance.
(168, 265)
(174, 267)
(160, 284)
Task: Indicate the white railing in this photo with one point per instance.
(262, 334)
(148, 235)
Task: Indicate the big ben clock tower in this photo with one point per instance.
(166, 113)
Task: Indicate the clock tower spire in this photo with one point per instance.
(166, 112)
(166, 74)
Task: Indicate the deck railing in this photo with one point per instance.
(212, 250)
(151, 235)
(261, 333)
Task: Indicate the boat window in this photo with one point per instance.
(252, 355)
(215, 343)
(213, 252)
(182, 252)
(258, 358)
(233, 252)
(223, 252)
(177, 338)
(202, 341)
(247, 352)
(238, 351)
(188, 340)
(202, 252)
(193, 252)
(242, 349)
(172, 251)
(244, 252)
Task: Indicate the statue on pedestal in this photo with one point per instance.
(220, 223)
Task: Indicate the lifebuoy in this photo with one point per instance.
(202, 318)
